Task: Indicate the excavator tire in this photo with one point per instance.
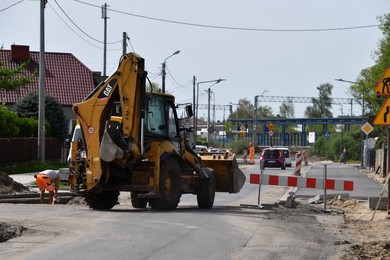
(138, 203)
(205, 192)
(103, 200)
(170, 186)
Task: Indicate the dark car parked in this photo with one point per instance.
(272, 157)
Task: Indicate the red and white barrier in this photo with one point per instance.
(298, 162)
(292, 181)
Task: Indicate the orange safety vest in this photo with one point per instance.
(43, 180)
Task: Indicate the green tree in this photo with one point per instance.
(12, 79)
(245, 110)
(153, 86)
(14, 126)
(369, 77)
(264, 112)
(28, 107)
(332, 147)
(287, 110)
(8, 124)
(322, 105)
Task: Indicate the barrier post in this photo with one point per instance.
(325, 176)
(298, 162)
(261, 178)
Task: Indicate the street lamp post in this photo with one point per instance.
(363, 89)
(208, 115)
(231, 112)
(215, 81)
(163, 70)
(255, 114)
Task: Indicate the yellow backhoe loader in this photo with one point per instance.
(132, 140)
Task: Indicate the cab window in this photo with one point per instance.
(172, 127)
(161, 117)
(155, 117)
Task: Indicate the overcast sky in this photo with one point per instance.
(286, 48)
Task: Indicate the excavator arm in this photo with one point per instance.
(114, 105)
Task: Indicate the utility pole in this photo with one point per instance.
(41, 105)
(193, 102)
(163, 76)
(254, 120)
(216, 81)
(208, 116)
(124, 42)
(231, 124)
(104, 16)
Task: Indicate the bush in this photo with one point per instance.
(238, 146)
(332, 147)
(13, 126)
(28, 127)
(28, 107)
(8, 123)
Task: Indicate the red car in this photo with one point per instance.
(272, 157)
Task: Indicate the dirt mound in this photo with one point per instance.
(369, 234)
(8, 231)
(9, 186)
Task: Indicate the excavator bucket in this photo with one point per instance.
(228, 177)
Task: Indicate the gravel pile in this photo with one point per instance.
(9, 186)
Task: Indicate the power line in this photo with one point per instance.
(73, 29)
(81, 30)
(236, 28)
(59, 16)
(131, 45)
(188, 84)
(12, 5)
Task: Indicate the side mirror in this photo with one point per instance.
(190, 129)
(67, 143)
(189, 111)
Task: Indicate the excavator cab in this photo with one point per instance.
(160, 118)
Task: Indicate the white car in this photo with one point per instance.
(77, 136)
(287, 156)
(201, 149)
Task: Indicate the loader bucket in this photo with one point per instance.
(228, 177)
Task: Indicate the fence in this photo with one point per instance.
(19, 150)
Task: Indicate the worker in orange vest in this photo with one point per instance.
(251, 153)
(45, 181)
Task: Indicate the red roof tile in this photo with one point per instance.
(67, 79)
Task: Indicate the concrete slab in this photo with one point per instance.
(320, 198)
(373, 201)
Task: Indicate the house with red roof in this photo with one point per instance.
(67, 79)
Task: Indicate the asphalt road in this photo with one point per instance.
(234, 229)
(364, 187)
